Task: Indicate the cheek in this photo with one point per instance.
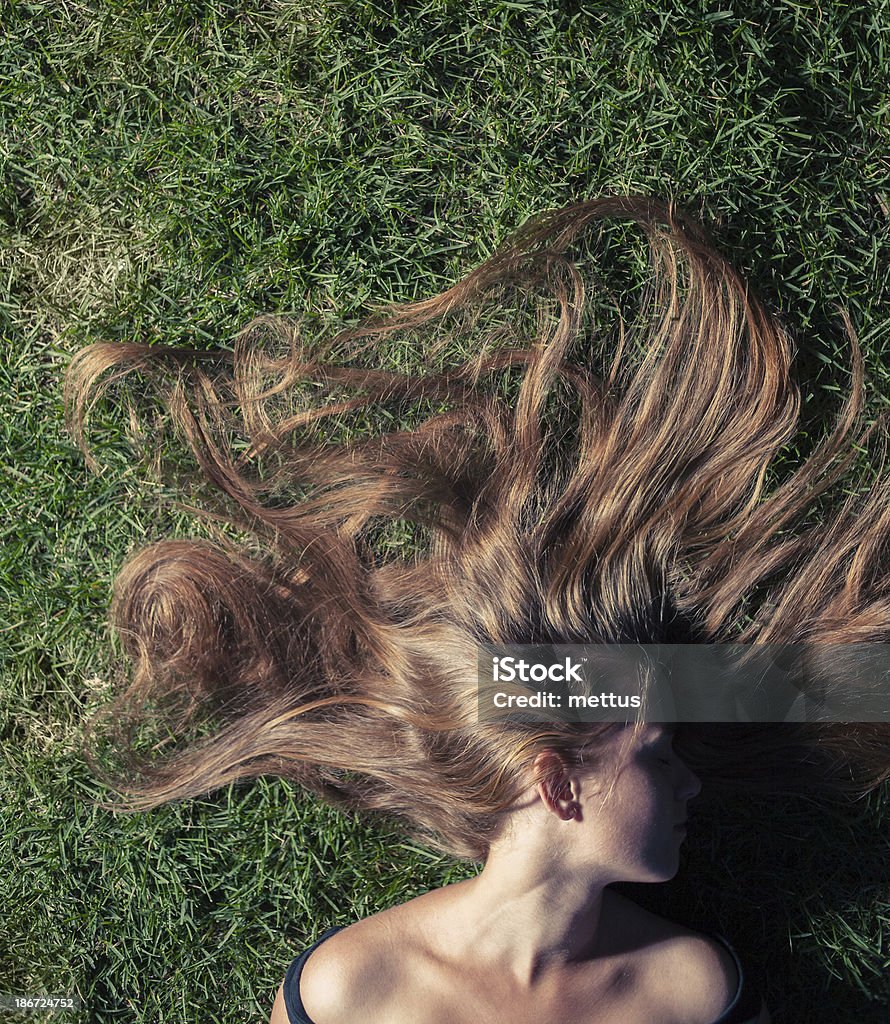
(651, 799)
(645, 806)
(653, 802)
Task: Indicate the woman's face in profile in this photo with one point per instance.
(634, 822)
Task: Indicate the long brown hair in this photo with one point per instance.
(622, 503)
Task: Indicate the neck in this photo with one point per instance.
(529, 915)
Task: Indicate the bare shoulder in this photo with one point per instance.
(703, 977)
(706, 979)
(348, 973)
(372, 970)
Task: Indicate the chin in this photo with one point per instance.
(662, 872)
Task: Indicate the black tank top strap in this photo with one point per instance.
(745, 1007)
(293, 1003)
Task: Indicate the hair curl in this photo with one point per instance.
(627, 507)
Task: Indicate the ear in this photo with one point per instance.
(555, 785)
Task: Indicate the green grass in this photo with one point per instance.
(168, 171)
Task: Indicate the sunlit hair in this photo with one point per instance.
(615, 495)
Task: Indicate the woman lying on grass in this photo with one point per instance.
(622, 508)
(538, 935)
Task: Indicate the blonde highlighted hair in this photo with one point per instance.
(614, 503)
